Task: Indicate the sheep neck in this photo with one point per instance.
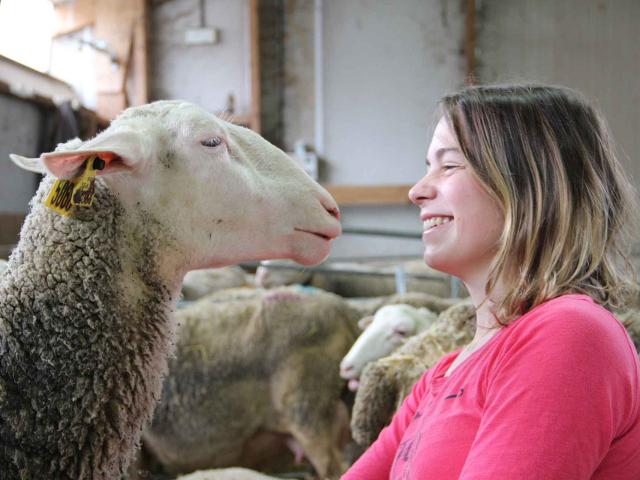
(85, 331)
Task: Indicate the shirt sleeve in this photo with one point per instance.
(554, 400)
(376, 462)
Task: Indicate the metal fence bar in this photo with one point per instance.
(336, 271)
(381, 233)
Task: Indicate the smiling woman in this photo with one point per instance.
(462, 221)
(525, 201)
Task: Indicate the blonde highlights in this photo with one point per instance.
(546, 156)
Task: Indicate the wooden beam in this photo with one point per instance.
(40, 88)
(470, 43)
(347, 195)
(74, 16)
(122, 24)
(255, 66)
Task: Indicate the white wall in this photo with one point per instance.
(386, 63)
(385, 66)
(203, 74)
(589, 45)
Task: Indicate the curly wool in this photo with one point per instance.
(81, 360)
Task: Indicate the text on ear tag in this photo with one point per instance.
(78, 191)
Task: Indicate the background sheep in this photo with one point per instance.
(227, 474)
(198, 283)
(3, 266)
(85, 304)
(385, 331)
(249, 367)
(385, 383)
(358, 280)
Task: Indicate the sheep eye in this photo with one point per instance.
(212, 142)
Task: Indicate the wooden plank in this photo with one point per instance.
(74, 16)
(27, 82)
(139, 92)
(347, 195)
(470, 43)
(255, 66)
(122, 24)
(34, 86)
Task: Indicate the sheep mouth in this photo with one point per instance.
(321, 235)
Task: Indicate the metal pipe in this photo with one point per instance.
(336, 271)
(381, 233)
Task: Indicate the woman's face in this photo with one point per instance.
(461, 222)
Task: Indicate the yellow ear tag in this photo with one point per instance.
(77, 191)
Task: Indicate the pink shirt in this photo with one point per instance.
(554, 395)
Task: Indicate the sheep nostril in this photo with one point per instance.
(334, 212)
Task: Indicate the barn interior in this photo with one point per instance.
(349, 90)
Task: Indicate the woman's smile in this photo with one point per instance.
(435, 224)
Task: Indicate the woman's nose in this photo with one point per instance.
(423, 190)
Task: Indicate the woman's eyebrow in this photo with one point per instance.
(440, 152)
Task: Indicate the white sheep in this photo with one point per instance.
(385, 382)
(385, 331)
(3, 265)
(226, 474)
(247, 368)
(86, 304)
(198, 283)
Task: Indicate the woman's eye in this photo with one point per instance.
(449, 167)
(212, 142)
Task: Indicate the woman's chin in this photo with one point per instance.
(438, 262)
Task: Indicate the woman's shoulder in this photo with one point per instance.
(570, 312)
(572, 323)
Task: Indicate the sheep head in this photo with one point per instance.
(222, 193)
(389, 328)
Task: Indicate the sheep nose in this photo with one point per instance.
(329, 204)
(333, 211)
(345, 370)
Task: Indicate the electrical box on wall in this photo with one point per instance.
(308, 160)
(201, 36)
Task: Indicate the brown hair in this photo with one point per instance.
(545, 155)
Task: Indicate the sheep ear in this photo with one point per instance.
(69, 164)
(365, 322)
(120, 150)
(30, 164)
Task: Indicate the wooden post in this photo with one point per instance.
(123, 24)
(470, 43)
(256, 110)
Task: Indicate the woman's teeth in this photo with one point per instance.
(435, 221)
